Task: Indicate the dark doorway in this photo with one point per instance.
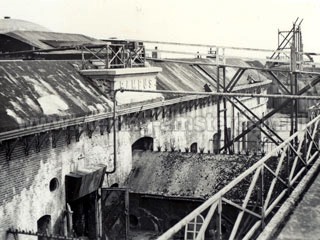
(115, 213)
(145, 143)
(84, 216)
(216, 143)
(43, 225)
(194, 147)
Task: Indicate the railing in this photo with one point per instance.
(248, 147)
(115, 55)
(248, 202)
(37, 235)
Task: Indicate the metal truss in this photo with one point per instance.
(115, 55)
(294, 62)
(285, 41)
(261, 189)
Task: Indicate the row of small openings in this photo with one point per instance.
(146, 143)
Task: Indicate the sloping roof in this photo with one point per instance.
(46, 40)
(184, 174)
(9, 25)
(33, 90)
(191, 77)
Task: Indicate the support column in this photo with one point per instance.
(226, 137)
(218, 108)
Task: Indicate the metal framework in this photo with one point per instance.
(266, 183)
(286, 40)
(115, 55)
(289, 45)
(124, 54)
(261, 188)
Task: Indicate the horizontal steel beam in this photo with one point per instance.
(221, 94)
(211, 54)
(203, 45)
(230, 65)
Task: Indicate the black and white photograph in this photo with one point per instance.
(167, 120)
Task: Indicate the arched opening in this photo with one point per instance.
(44, 226)
(194, 147)
(145, 143)
(54, 184)
(115, 185)
(134, 221)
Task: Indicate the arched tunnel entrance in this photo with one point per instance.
(144, 143)
(44, 226)
(194, 147)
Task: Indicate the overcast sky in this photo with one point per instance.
(246, 23)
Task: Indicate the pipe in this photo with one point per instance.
(200, 45)
(190, 62)
(114, 117)
(221, 94)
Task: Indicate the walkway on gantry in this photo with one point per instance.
(304, 223)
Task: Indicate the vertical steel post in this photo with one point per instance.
(239, 147)
(226, 140)
(107, 57)
(114, 127)
(293, 66)
(82, 58)
(218, 106)
(293, 88)
(296, 101)
(144, 56)
(262, 198)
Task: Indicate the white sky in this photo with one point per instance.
(243, 23)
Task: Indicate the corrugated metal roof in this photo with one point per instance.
(185, 174)
(31, 90)
(189, 77)
(34, 90)
(40, 39)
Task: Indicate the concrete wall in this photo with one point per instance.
(24, 180)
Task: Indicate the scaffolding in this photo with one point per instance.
(295, 154)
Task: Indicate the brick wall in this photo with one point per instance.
(24, 180)
(24, 188)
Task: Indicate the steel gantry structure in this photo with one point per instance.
(292, 40)
(268, 182)
(260, 189)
